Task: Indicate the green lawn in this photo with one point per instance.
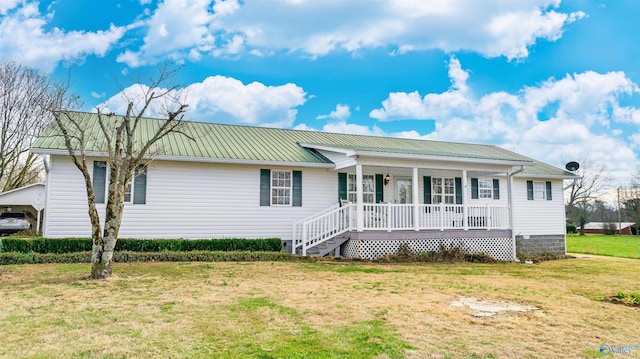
(615, 246)
(319, 310)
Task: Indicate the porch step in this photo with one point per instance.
(327, 246)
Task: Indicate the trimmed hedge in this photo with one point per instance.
(73, 245)
(128, 256)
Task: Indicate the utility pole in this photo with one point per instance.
(619, 222)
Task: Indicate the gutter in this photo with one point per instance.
(510, 189)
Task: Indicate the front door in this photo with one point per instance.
(404, 190)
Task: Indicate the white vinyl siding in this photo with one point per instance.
(538, 217)
(189, 200)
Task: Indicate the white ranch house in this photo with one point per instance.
(321, 193)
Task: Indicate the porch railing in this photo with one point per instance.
(394, 217)
(321, 227)
(390, 217)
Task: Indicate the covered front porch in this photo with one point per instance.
(383, 203)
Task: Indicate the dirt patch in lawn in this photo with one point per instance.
(483, 307)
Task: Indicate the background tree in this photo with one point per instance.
(630, 201)
(581, 192)
(125, 152)
(26, 100)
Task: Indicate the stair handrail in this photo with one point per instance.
(321, 227)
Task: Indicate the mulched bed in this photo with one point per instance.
(615, 300)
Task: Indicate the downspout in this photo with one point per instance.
(513, 232)
(46, 160)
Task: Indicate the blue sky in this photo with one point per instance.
(555, 81)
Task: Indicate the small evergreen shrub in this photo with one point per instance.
(571, 228)
(72, 245)
(166, 256)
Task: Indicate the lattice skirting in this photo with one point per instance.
(500, 248)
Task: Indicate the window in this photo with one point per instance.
(485, 188)
(368, 188)
(443, 190)
(127, 192)
(280, 188)
(539, 190)
(99, 180)
(136, 190)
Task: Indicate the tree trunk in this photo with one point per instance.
(101, 258)
(582, 228)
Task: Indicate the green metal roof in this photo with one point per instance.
(544, 170)
(233, 142)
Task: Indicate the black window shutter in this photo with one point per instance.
(297, 189)
(342, 186)
(474, 188)
(458, 190)
(99, 180)
(427, 189)
(140, 185)
(496, 188)
(265, 187)
(530, 190)
(548, 191)
(379, 188)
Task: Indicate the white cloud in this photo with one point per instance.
(569, 117)
(342, 112)
(6, 5)
(227, 100)
(27, 39)
(455, 102)
(493, 28)
(196, 28)
(186, 29)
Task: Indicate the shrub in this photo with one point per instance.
(46, 245)
(453, 254)
(72, 245)
(166, 256)
(571, 228)
(610, 228)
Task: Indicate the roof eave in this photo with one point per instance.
(198, 159)
(524, 175)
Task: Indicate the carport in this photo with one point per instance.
(29, 199)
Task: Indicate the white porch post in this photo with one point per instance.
(414, 188)
(359, 200)
(465, 217)
(513, 233)
(38, 222)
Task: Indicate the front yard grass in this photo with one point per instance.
(316, 310)
(604, 245)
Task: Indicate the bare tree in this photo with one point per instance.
(630, 201)
(26, 98)
(581, 192)
(126, 149)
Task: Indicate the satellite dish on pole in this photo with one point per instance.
(572, 166)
